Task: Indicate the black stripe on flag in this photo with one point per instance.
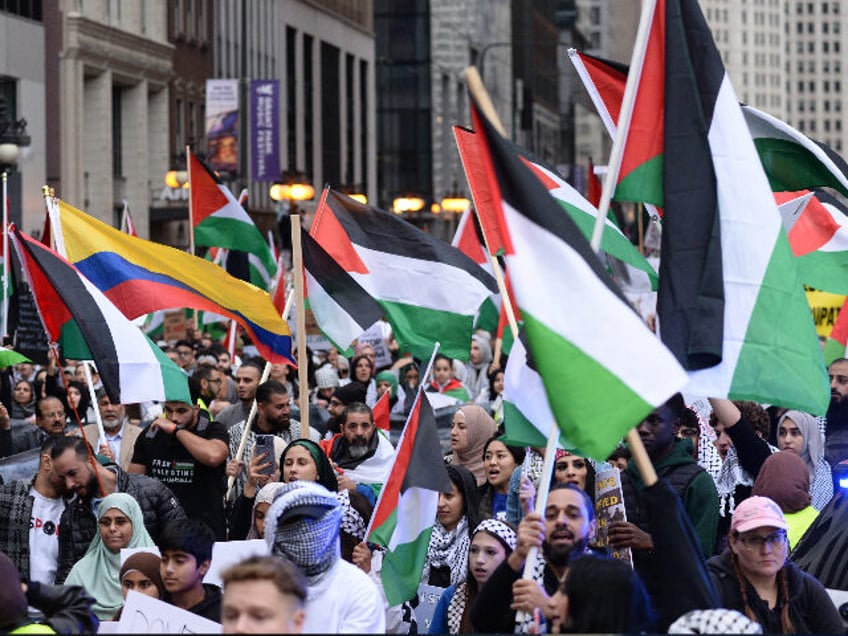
(520, 188)
(338, 284)
(690, 298)
(388, 233)
(67, 288)
(425, 465)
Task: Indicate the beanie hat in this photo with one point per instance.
(326, 377)
(351, 392)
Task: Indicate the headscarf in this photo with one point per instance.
(391, 378)
(813, 449)
(326, 474)
(148, 564)
(477, 376)
(784, 478)
(302, 525)
(266, 495)
(480, 427)
(98, 570)
(501, 530)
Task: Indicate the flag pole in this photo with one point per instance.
(190, 203)
(302, 355)
(101, 432)
(418, 396)
(624, 117)
(5, 254)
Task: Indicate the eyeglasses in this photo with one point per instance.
(755, 542)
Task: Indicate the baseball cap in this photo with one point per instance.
(757, 512)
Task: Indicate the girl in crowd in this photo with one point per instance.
(471, 428)
(573, 469)
(493, 541)
(799, 433)
(754, 576)
(79, 401)
(121, 526)
(444, 380)
(362, 370)
(456, 517)
(494, 403)
(140, 573)
(23, 401)
(500, 461)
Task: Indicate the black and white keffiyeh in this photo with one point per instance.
(352, 521)
(450, 549)
(456, 608)
(499, 529)
(714, 621)
(311, 544)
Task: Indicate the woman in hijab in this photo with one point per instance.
(456, 517)
(121, 526)
(477, 367)
(799, 433)
(492, 543)
(785, 479)
(472, 427)
(140, 573)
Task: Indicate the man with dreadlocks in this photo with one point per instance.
(302, 525)
(754, 576)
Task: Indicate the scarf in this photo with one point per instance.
(450, 549)
(326, 474)
(456, 608)
(503, 532)
(265, 494)
(480, 427)
(352, 521)
(310, 543)
(731, 475)
(477, 375)
(813, 449)
(98, 570)
(343, 460)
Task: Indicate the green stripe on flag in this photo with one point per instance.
(588, 409)
(406, 321)
(643, 183)
(790, 166)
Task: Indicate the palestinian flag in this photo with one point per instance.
(791, 160)
(468, 239)
(719, 208)
(127, 224)
(342, 309)
(527, 414)
(89, 327)
(613, 242)
(602, 368)
(817, 225)
(406, 510)
(429, 290)
(382, 412)
(594, 188)
(220, 221)
(837, 341)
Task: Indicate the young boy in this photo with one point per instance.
(186, 549)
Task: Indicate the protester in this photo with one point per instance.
(836, 440)
(800, 433)
(574, 469)
(30, 516)
(247, 379)
(564, 533)
(261, 503)
(66, 608)
(785, 479)
(186, 549)
(471, 428)
(303, 525)
(362, 454)
(501, 460)
(493, 541)
(121, 435)
(121, 526)
(23, 401)
(79, 404)
(624, 608)
(346, 394)
(444, 381)
(74, 464)
(754, 576)
(456, 517)
(140, 573)
(477, 367)
(494, 399)
(263, 595)
(362, 370)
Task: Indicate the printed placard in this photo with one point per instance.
(609, 507)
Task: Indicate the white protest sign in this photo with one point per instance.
(374, 336)
(146, 615)
(227, 553)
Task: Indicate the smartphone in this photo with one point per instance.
(265, 444)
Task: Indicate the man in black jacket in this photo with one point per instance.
(75, 465)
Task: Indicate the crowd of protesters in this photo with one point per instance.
(704, 549)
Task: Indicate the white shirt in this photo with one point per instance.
(44, 537)
(344, 601)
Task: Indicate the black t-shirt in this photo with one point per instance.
(199, 488)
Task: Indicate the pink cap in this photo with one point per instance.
(757, 512)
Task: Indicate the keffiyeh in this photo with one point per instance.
(450, 549)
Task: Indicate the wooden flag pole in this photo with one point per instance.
(302, 355)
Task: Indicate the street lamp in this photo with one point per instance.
(407, 203)
(176, 179)
(13, 137)
(454, 201)
(293, 187)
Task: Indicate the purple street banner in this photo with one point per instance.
(264, 130)
(222, 124)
